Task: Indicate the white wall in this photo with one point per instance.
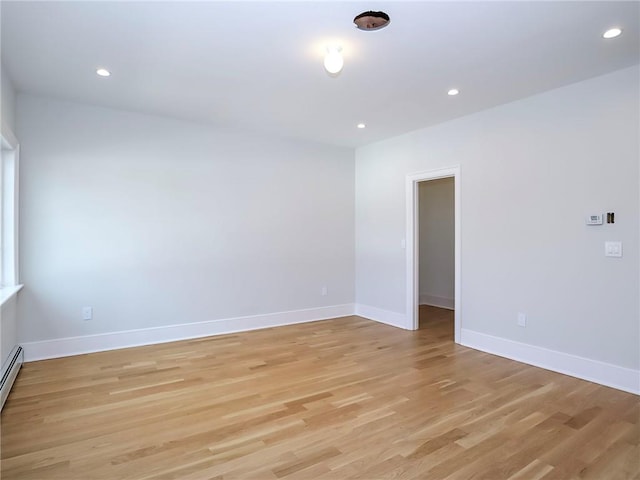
(436, 242)
(8, 331)
(156, 222)
(530, 172)
(7, 99)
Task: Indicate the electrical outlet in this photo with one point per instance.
(323, 292)
(87, 313)
(522, 320)
(612, 249)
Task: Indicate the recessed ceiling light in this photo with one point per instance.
(361, 125)
(103, 72)
(612, 33)
(453, 91)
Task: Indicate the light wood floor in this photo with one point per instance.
(339, 399)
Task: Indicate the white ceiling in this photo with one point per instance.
(258, 65)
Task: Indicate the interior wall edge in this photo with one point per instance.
(65, 347)
(380, 315)
(614, 376)
(437, 301)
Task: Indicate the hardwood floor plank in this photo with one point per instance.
(337, 399)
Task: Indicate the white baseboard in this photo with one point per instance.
(435, 301)
(64, 347)
(614, 376)
(394, 319)
(621, 378)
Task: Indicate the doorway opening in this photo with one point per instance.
(413, 254)
(435, 247)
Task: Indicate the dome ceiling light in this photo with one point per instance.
(371, 20)
(333, 61)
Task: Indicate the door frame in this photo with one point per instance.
(412, 243)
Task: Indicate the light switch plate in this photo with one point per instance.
(612, 249)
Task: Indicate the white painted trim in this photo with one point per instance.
(614, 376)
(64, 347)
(9, 177)
(411, 320)
(394, 319)
(8, 137)
(436, 301)
(7, 293)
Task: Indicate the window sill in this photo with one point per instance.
(7, 293)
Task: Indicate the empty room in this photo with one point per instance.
(320, 240)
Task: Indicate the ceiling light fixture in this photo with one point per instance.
(361, 125)
(612, 33)
(453, 92)
(333, 61)
(103, 72)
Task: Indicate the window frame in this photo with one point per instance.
(9, 227)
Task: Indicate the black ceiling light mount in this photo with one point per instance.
(371, 20)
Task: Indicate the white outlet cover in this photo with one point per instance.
(522, 320)
(612, 249)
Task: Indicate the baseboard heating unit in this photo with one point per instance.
(10, 372)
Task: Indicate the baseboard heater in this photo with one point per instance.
(10, 372)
